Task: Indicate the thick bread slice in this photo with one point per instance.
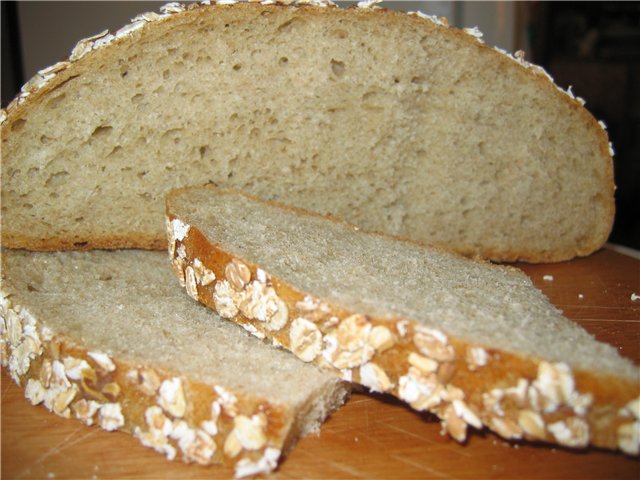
(433, 136)
(475, 343)
(110, 338)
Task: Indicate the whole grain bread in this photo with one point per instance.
(475, 343)
(111, 339)
(433, 136)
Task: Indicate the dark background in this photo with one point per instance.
(592, 46)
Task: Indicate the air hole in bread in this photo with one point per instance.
(55, 101)
(203, 59)
(137, 98)
(372, 100)
(289, 24)
(283, 60)
(172, 134)
(237, 67)
(115, 151)
(180, 87)
(28, 206)
(166, 74)
(337, 67)
(101, 131)
(203, 150)
(78, 219)
(425, 43)
(142, 173)
(80, 244)
(44, 139)
(57, 179)
(340, 33)
(18, 125)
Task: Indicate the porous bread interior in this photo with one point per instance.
(128, 304)
(431, 136)
(484, 304)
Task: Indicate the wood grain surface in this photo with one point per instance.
(372, 436)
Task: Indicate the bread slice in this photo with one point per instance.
(475, 343)
(110, 338)
(432, 136)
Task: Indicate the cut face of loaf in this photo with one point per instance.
(475, 343)
(434, 136)
(110, 339)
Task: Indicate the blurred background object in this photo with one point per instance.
(594, 47)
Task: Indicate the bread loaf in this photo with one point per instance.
(432, 136)
(110, 339)
(474, 343)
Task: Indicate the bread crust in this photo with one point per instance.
(515, 396)
(177, 416)
(39, 88)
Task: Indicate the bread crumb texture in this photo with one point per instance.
(474, 343)
(197, 388)
(433, 136)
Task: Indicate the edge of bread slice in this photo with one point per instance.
(435, 137)
(110, 339)
(475, 343)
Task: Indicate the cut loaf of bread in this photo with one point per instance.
(111, 339)
(433, 136)
(475, 343)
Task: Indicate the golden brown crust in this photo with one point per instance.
(463, 383)
(74, 69)
(53, 244)
(177, 416)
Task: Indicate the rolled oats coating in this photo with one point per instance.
(85, 410)
(375, 378)
(238, 274)
(171, 397)
(110, 416)
(306, 339)
(347, 346)
(223, 299)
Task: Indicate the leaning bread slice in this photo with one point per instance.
(475, 343)
(109, 338)
(433, 136)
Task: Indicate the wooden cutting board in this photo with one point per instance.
(373, 436)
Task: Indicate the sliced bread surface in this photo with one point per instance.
(111, 339)
(475, 343)
(433, 136)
